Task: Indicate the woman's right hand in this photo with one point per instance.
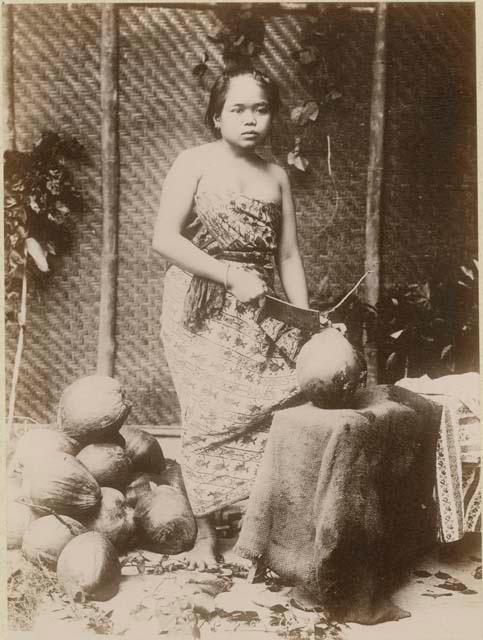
(245, 285)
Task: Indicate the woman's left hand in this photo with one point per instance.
(340, 326)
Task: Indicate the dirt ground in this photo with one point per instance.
(158, 597)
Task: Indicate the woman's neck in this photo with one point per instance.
(237, 152)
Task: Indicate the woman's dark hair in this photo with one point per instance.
(220, 87)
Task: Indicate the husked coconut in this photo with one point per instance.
(88, 568)
(329, 370)
(64, 485)
(35, 445)
(165, 521)
(45, 538)
(114, 519)
(92, 409)
(143, 449)
(108, 463)
(140, 484)
(19, 517)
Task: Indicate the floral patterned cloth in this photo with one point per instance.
(458, 452)
(230, 371)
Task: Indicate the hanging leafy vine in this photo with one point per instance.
(240, 33)
(40, 198)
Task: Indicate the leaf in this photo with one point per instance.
(303, 113)
(391, 360)
(38, 254)
(468, 273)
(446, 350)
(297, 161)
(307, 56)
(215, 35)
(452, 586)
(199, 69)
(33, 204)
(397, 334)
(333, 95)
(278, 608)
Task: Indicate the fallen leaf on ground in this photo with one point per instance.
(452, 586)
(421, 573)
(477, 573)
(443, 576)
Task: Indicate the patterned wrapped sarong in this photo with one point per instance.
(230, 372)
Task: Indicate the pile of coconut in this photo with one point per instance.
(90, 489)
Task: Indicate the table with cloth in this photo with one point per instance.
(344, 501)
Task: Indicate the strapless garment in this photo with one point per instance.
(229, 371)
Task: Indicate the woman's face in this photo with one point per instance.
(245, 118)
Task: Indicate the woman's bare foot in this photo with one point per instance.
(203, 555)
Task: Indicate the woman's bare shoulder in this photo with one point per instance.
(196, 155)
(279, 174)
(276, 170)
(191, 161)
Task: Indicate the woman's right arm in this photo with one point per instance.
(176, 202)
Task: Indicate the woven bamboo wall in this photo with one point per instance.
(56, 73)
(161, 110)
(430, 179)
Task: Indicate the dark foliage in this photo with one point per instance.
(39, 200)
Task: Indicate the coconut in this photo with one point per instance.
(36, 445)
(140, 484)
(92, 409)
(108, 463)
(143, 449)
(64, 485)
(165, 521)
(19, 517)
(88, 568)
(114, 519)
(329, 370)
(45, 538)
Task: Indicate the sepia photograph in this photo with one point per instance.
(241, 320)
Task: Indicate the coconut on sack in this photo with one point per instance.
(88, 568)
(329, 370)
(93, 409)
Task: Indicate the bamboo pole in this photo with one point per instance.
(7, 79)
(374, 180)
(106, 350)
(22, 321)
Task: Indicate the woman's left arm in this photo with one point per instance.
(289, 262)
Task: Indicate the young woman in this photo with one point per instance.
(226, 217)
